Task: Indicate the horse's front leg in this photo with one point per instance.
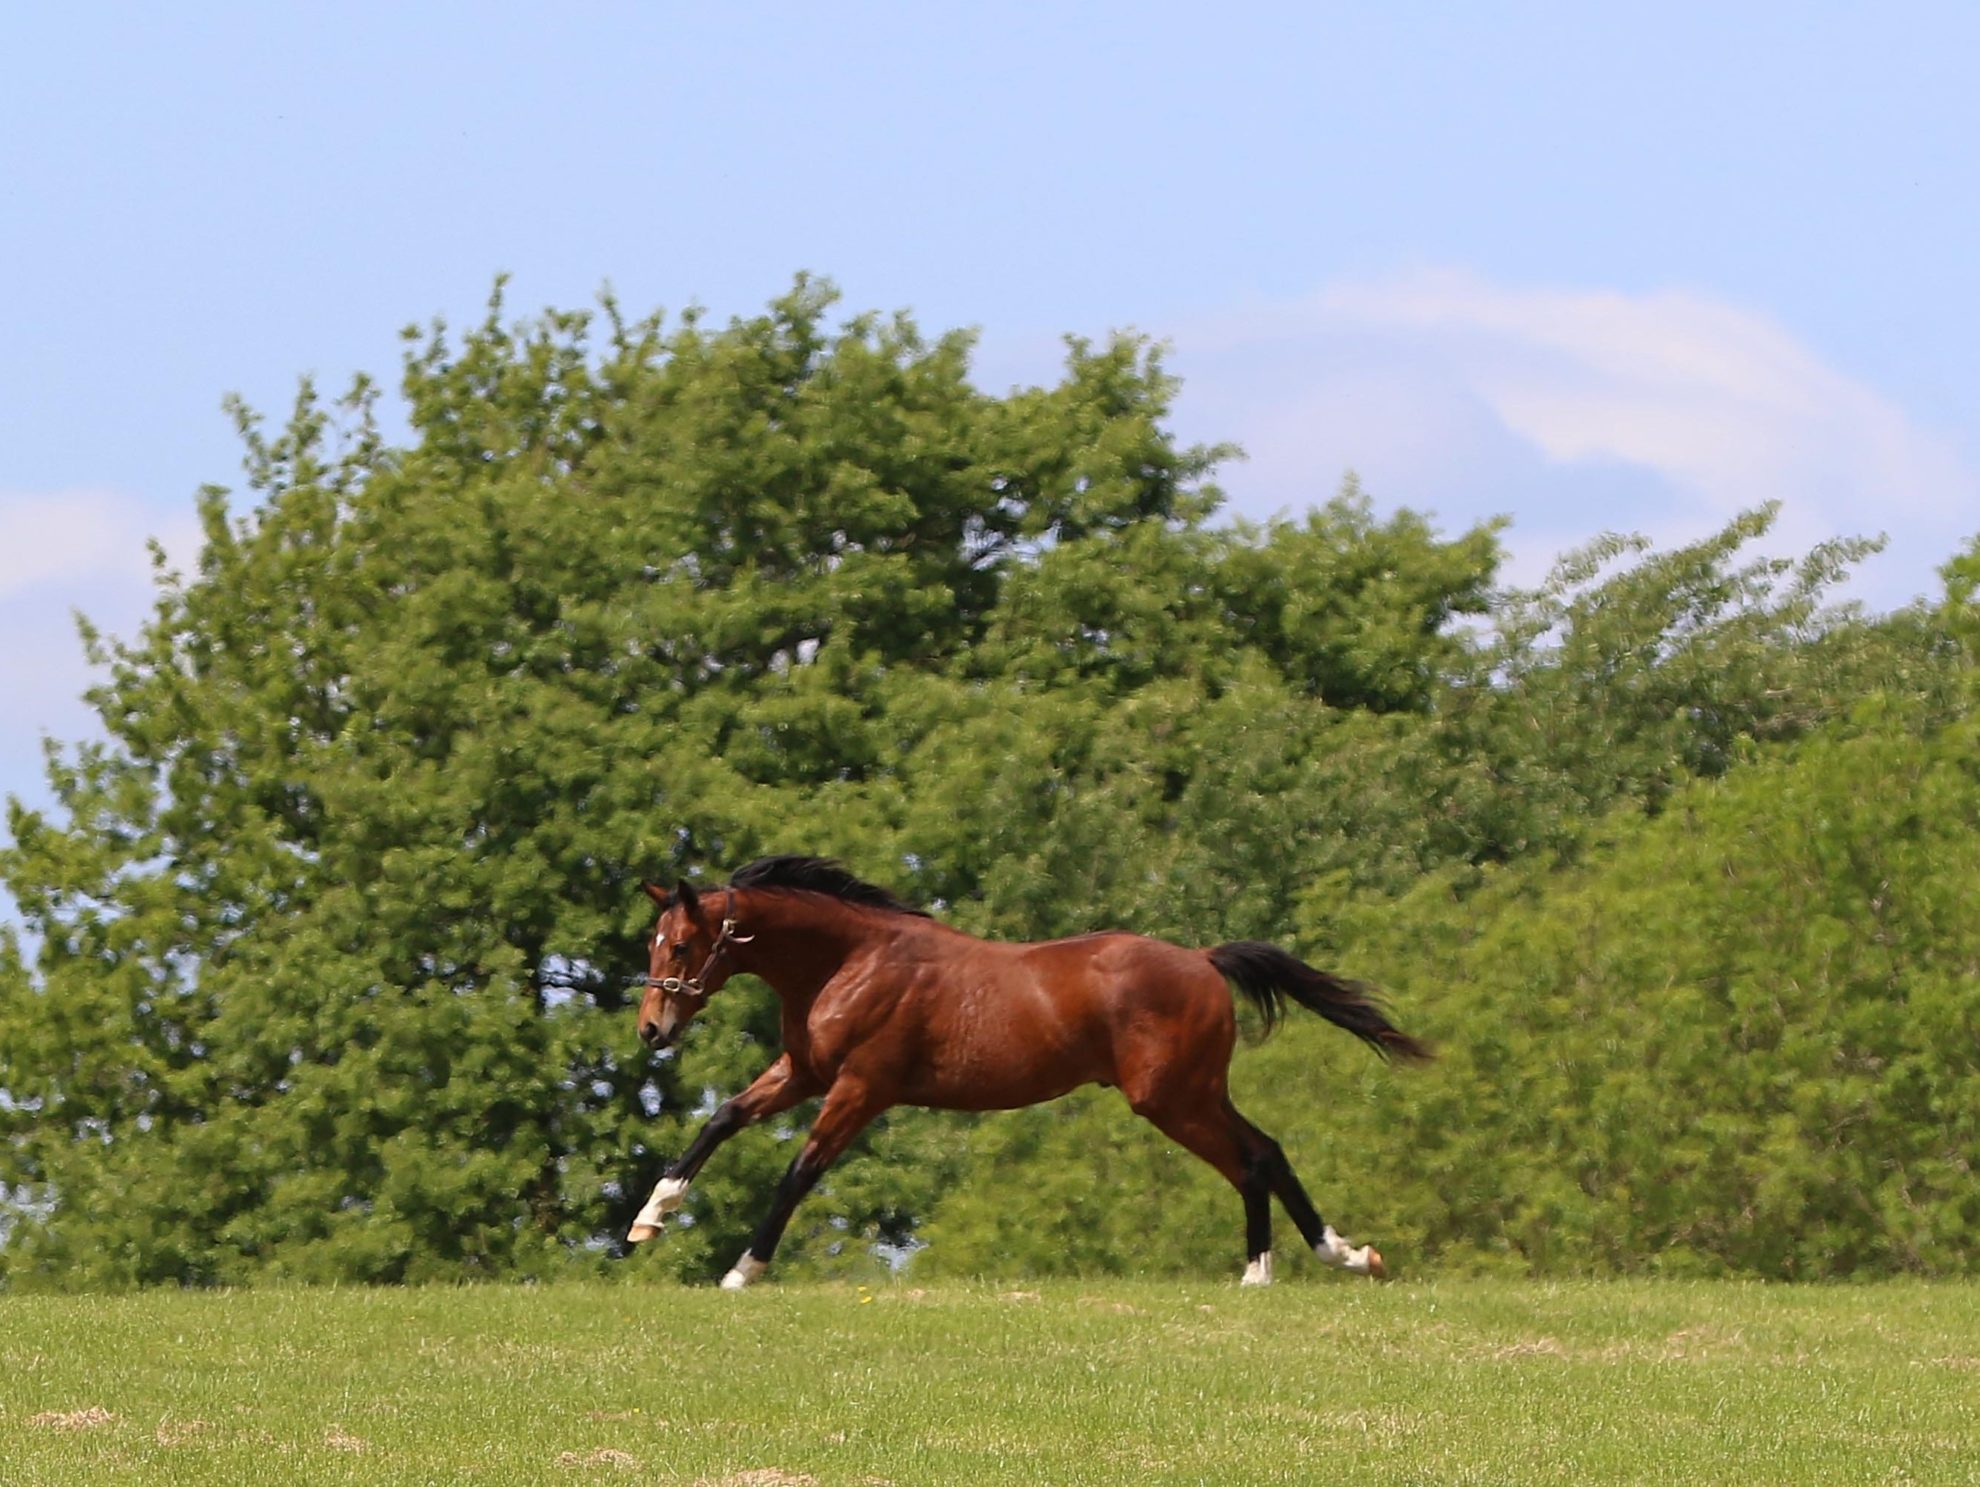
(849, 1107)
(776, 1089)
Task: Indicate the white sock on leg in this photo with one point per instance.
(1334, 1250)
(668, 1194)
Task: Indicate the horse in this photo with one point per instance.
(883, 1005)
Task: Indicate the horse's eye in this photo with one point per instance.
(680, 952)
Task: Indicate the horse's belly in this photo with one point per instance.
(990, 1094)
(996, 1075)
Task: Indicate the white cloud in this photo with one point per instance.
(1719, 399)
(64, 536)
(60, 553)
(1574, 411)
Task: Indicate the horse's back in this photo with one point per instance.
(999, 1024)
(1116, 961)
(1155, 1001)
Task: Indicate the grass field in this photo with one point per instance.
(1314, 1380)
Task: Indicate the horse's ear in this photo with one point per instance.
(658, 894)
(685, 895)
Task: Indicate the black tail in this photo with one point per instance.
(1268, 975)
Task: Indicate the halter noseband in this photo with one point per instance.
(692, 985)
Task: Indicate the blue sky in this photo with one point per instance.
(1587, 267)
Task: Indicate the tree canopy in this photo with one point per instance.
(329, 933)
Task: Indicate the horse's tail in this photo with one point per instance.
(1268, 975)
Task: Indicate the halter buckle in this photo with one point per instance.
(676, 985)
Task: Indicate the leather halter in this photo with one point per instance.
(693, 985)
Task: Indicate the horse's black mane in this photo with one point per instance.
(819, 875)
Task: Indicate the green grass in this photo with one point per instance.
(1315, 1380)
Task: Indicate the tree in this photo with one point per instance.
(328, 937)
(1442, 856)
(331, 930)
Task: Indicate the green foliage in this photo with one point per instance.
(325, 978)
(1741, 1037)
(331, 932)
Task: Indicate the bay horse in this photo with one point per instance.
(883, 1006)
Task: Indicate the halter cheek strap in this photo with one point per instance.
(693, 985)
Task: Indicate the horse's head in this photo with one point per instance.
(687, 963)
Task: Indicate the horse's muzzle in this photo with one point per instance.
(651, 1036)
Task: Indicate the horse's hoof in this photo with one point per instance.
(668, 1195)
(1376, 1269)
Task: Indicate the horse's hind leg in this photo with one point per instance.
(1211, 1129)
(1267, 1154)
(1256, 1166)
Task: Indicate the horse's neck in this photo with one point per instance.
(801, 940)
